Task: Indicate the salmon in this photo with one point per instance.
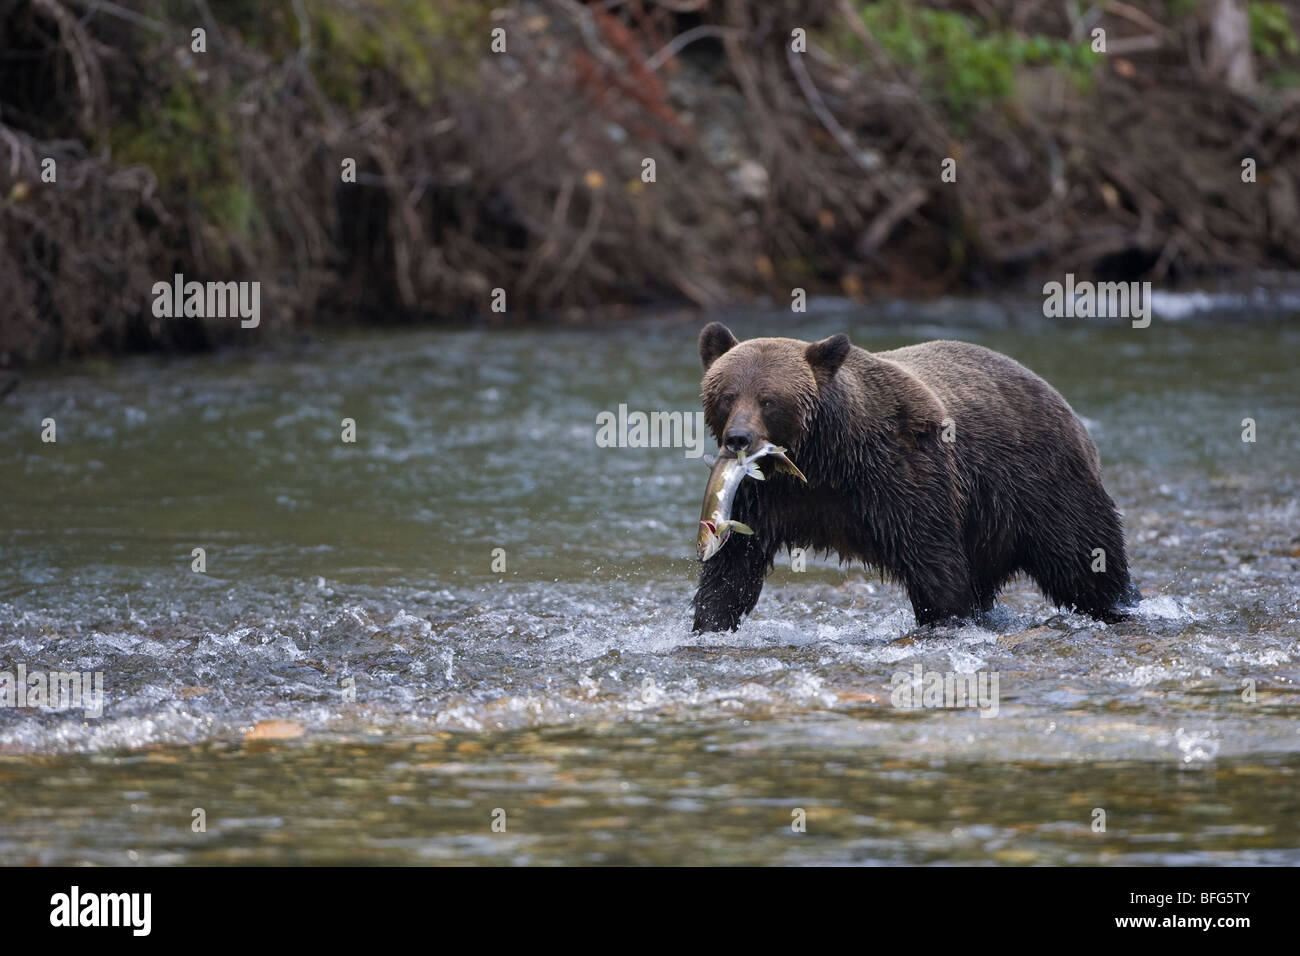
(716, 524)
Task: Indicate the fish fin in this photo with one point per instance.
(786, 466)
(740, 528)
(710, 460)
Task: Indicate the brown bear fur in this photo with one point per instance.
(1018, 489)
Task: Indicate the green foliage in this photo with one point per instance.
(961, 64)
(187, 142)
(421, 44)
(355, 52)
(1271, 33)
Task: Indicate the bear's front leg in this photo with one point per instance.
(730, 583)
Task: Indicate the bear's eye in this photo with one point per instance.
(766, 402)
(728, 398)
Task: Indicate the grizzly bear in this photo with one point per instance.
(946, 466)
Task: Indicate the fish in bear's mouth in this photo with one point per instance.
(716, 525)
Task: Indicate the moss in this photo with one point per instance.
(420, 44)
(414, 48)
(423, 46)
(188, 143)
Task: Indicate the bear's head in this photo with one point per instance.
(764, 390)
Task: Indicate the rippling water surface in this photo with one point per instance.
(567, 690)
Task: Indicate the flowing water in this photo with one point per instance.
(433, 696)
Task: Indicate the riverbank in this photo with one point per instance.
(385, 161)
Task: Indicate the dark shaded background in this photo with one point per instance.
(521, 170)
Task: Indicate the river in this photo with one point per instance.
(473, 620)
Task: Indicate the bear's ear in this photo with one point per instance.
(715, 339)
(827, 356)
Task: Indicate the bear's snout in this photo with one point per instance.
(739, 440)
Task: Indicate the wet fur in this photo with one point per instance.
(1019, 490)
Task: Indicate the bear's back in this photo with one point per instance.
(994, 395)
